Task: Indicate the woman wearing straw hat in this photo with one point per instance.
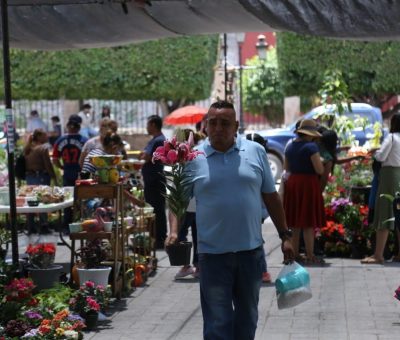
(303, 202)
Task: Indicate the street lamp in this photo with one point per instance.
(261, 47)
(240, 39)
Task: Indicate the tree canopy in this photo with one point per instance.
(169, 69)
(370, 69)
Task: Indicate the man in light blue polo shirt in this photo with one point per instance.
(228, 181)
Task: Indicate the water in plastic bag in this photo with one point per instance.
(292, 286)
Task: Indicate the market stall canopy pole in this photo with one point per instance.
(185, 115)
(10, 131)
(68, 24)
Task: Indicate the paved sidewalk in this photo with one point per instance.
(350, 302)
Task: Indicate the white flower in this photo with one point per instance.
(69, 334)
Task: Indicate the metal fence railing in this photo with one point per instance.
(130, 115)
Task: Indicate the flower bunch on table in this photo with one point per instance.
(41, 255)
(176, 154)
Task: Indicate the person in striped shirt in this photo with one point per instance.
(111, 145)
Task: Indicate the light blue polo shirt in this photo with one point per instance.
(227, 188)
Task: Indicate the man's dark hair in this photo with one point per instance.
(34, 113)
(55, 119)
(156, 120)
(222, 104)
(86, 106)
(73, 125)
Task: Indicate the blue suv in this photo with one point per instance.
(278, 138)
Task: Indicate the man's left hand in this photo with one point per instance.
(287, 250)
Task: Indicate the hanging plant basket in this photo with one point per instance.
(179, 253)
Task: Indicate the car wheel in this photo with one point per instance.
(276, 166)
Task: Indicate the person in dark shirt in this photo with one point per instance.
(56, 130)
(66, 152)
(154, 179)
(303, 202)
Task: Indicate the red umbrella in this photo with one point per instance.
(186, 115)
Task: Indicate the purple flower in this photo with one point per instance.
(31, 333)
(336, 204)
(74, 317)
(33, 315)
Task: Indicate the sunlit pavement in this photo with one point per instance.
(350, 301)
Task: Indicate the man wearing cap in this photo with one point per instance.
(303, 202)
(66, 152)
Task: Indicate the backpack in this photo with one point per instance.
(20, 167)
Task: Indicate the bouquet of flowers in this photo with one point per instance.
(41, 255)
(176, 154)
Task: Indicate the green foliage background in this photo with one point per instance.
(370, 69)
(169, 69)
(263, 93)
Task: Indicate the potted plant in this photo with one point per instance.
(89, 301)
(92, 255)
(42, 269)
(176, 154)
(16, 294)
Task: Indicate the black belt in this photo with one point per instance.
(36, 173)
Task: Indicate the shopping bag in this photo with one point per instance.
(292, 286)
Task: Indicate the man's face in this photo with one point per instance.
(150, 128)
(221, 128)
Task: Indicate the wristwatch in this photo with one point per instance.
(285, 234)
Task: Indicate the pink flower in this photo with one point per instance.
(89, 284)
(172, 156)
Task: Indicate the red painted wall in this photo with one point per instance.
(249, 45)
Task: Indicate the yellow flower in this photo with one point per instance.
(60, 331)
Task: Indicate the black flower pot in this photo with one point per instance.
(358, 250)
(179, 253)
(91, 319)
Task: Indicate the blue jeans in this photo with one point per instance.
(229, 291)
(37, 179)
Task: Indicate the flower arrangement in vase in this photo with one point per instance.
(176, 154)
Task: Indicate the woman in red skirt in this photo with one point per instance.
(303, 202)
